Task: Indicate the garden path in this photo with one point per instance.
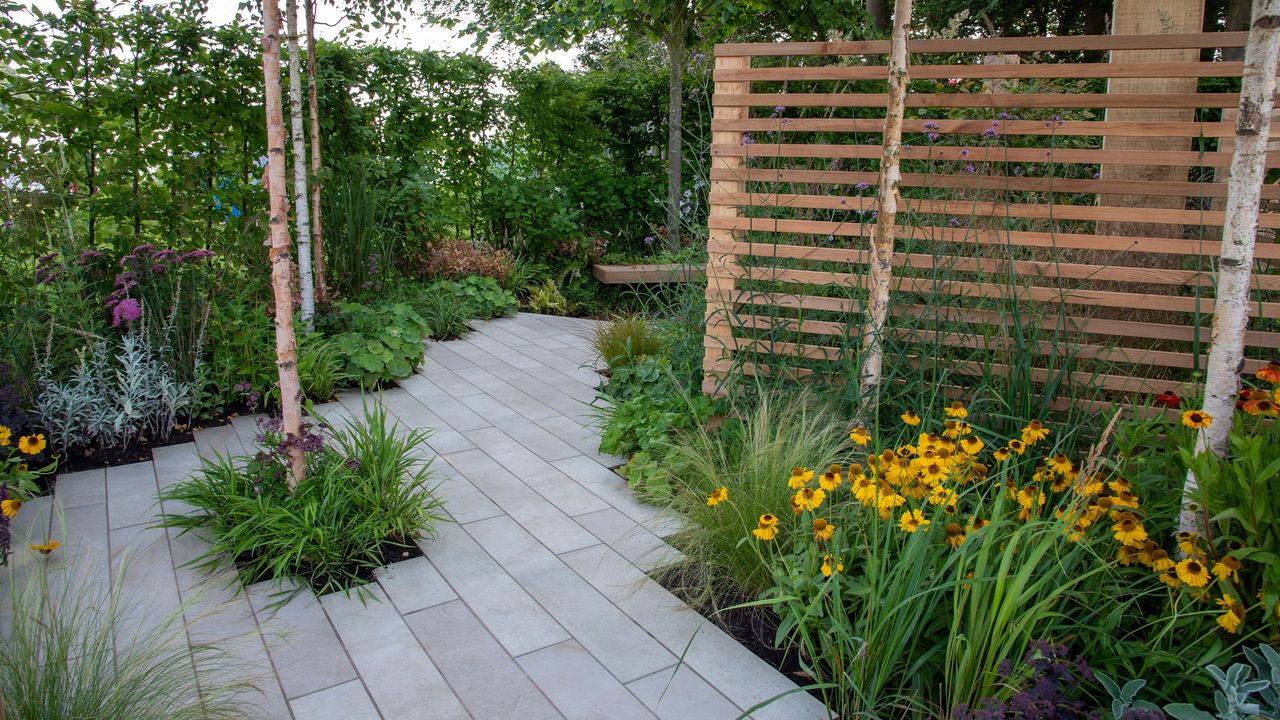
(533, 604)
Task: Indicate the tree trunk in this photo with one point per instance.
(278, 241)
(1235, 264)
(878, 11)
(317, 224)
(881, 262)
(675, 124)
(306, 281)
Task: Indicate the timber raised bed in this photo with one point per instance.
(660, 273)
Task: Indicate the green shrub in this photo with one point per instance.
(446, 316)
(643, 405)
(366, 486)
(66, 654)
(381, 342)
(484, 297)
(625, 339)
(547, 299)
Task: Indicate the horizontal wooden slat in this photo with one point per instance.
(1026, 269)
(1022, 238)
(981, 209)
(1041, 184)
(994, 72)
(984, 153)
(660, 273)
(995, 101)
(1063, 43)
(1074, 128)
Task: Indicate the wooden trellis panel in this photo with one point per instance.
(1001, 193)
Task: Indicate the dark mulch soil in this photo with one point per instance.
(390, 552)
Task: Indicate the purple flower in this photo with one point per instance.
(243, 387)
(746, 139)
(989, 133)
(931, 125)
(1017, 170)
(648, 240)
(1097, 175)
(128, 310)
(862, 186)
(931, 136)
(953, 222)
(195, 256)
(964, 152)
(8, 224)
(969, 168)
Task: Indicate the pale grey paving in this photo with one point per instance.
(532, 601)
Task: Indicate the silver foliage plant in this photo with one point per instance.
(120, 391)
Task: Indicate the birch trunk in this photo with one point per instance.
(1239, 235)
(675, 121)
(278, 241)
(306, 281)
(317, 222)
(881, 265)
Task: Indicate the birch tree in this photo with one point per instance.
(881, 260)
(306, 280)
(278, 242)
(313, 102)
(1239, 235)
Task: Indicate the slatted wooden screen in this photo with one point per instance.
(1006, 219)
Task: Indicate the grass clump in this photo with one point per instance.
(625, 339)
(366, 491)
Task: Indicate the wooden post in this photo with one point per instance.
(721, 262)
(1239, 237)
(278, 241)
(881, 260)
(1142, 17)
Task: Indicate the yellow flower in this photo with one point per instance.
(975, 523)
(1034, 432)
(1170, 580)
(1130, 532)
(47, 548)
(809, 498)
(1161, 562)
(1191, 572)
(912, 520)
(1227, 567)
(855, 472)
(954, 535)
(766, 528)
(972, 445)
(1232, 616)
(1126, 555)
(10, 507)
(1001, 455)
(823, 530)
(829, 480)
(909, 417)
(5, 434)
(1017, 446)
(1270, 372)
(1187, 542)
(860, 436)
(1092, 486)
(864, 489)
(718, 496)
(1059, 463)
(799, 478)
(957, 410)
(1196, 419)
(826, 566)
(32, 444)
(942, 496)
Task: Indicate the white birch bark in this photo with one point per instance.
(306, 280)
(313, 103)
(1239, 236)
(278, 242)
(881, 261)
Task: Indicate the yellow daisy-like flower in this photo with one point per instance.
(1034, 432)
(1161, 562)
(1126, 555)
(718, 496)
(809, 498)
(1196, 419)
(1193, 573)
(47, 548)
(1187, 542)
(1227, 567)
(942, 496)
(799, 478)
(1170, 580)
(1059, 463)
(910, 418)
(1017, 446)
(972, 445)
(10, 507)
(855, 472)
(933, 472)
(957, 410)
(823, 530)
(975, 523)
(1001, 455)
(1232, 616)
(829, 480)
(1130, 532)
(1270, 372)
(5, 434)
(766, 528)
(1092, 486)
(954, 535)
(860, 436)
(864, 489)
(826, 566)
(32, 444)
(912, 520)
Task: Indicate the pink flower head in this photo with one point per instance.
(127, 311)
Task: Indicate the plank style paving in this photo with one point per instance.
(533, 603)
